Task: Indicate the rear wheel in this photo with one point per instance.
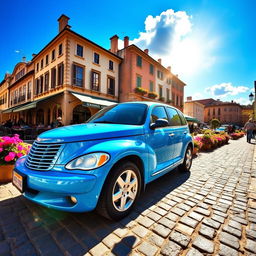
(120, 192)
(186, 165)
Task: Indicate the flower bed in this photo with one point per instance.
(236, 135)
(210, 140)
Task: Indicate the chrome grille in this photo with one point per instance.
(42, 156)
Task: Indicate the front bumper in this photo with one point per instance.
(53, 189)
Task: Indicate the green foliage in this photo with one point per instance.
(140, 90)
(215, 123)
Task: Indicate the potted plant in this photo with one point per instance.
(11, 148)
(140, 91)
(152, 95)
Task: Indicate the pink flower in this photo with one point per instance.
(19, 155)
(19, 147)
(8, 158)
(1, 149)
(12, 155)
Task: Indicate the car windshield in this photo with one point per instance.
(124, 113)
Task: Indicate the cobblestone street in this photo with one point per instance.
(209, 211)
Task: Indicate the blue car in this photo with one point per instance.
(105, 163)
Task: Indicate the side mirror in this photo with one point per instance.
(159, 123)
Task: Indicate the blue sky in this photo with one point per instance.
(209, 44)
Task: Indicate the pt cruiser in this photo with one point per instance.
(106, 162)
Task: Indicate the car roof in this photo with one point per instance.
(149, 103)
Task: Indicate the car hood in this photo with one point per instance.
(90, 131)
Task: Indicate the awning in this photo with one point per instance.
(29, 105)
(25, 107)
(93, 102)
(9, 110)
(191, 119)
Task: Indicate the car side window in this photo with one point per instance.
(158, 113)
(182, 118)
(174, 118)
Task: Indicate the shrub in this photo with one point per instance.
(215, 123)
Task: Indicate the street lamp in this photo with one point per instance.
(252, 98)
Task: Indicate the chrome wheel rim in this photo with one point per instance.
(125, 190)
(188, 158)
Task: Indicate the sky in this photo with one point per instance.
(210, 44)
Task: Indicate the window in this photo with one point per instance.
(60, 49)
(139, 61)
(79, 50)
(111, 86)
(182, 118)
(219, 111)
(138, 81)
(20, 74)
(208, 112)
(41, 87)
(46, 82)
(174, 118)
(160, 74)
(160, 91)
(158, 113)
(95, 84)
(37, 86)
(177, 100)
(53, 77)
(96, 58)
(53, 54)
(60, 73)
(46, 60)
(151, 69)
(78, 75)
(151, 86)
(111, 65)
(167, 94)
(37, 66)
(42, 63)
(213, 112)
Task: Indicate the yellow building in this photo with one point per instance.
(71, 77)
(194, 109)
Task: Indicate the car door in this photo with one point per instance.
(179, 130)
(160, 140)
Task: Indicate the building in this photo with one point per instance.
(247, 112)
(139, 70)
(225, 112)
(71, 77)
(194, 109)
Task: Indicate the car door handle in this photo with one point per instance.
(171, 134)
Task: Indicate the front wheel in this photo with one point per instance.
(120, 192)
(186, 165)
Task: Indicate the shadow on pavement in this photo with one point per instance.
(30, 229)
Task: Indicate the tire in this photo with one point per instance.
(120, 191)
(186, 165)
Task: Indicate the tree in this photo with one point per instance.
(215, 123)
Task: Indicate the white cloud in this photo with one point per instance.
(17, 51)
(242, 101)
(225, 89)
(171, 37)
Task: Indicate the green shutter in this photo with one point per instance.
(138, 81)
(151, 86)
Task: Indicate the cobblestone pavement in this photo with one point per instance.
(209, 211)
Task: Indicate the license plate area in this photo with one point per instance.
(18, 181)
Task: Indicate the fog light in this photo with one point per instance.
(73, 199)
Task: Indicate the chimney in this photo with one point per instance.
(63, 22)
(114, 43)
(33, 55)
(189, 98)
(126, 41)
(23, 59)
(169, 68)
(146, 51)
(160, 61)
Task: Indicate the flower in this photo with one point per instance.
(12, 148)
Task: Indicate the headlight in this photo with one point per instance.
(88, 162)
